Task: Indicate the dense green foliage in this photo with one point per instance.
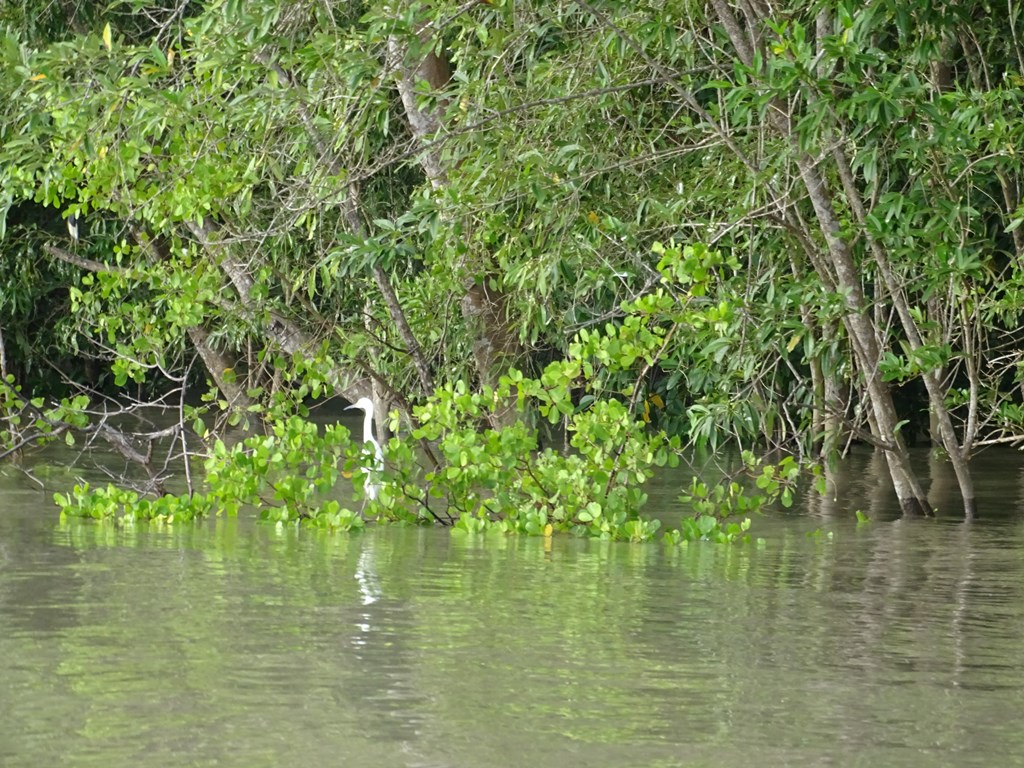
(491, 215)
(486, 478)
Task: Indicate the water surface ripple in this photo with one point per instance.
(238, 644)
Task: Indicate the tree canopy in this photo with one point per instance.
(650, 223)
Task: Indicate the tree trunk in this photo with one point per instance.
(424, 123)
(217, 364)
(351, 212)
(942, 421)
(281, 331)
(861, 330)
(484, 307)
(863, 338)
(214, 361)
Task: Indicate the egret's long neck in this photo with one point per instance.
(368, 425)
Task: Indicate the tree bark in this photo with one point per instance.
(484, 306)
(863, 338)
(862, 332)
(217, 364)
(940, 416)
(281, 331)
(351, 212)
(436, 72)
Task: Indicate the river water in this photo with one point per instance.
(234, 643)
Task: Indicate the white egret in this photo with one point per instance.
(372, 484)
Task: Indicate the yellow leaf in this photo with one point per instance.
(593, 218)
(102, 152)
(793, 341)
(37, 78)
(658, 402)
(170, 57)
(106, 37)
(548, 529)
(647, 412)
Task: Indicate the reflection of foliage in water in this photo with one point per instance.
(613, 653)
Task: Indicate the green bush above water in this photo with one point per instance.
(486, 478)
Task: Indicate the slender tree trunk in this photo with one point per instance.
(865, 347)
(387, 291)
(861, 330)
(829, 399)
(436, 72)
(217, 364)
(351, 212)
(940, 416)
(483, 306)
(280, 331)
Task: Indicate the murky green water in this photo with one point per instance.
(236, 644)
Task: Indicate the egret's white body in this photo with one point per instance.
(372, 486)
